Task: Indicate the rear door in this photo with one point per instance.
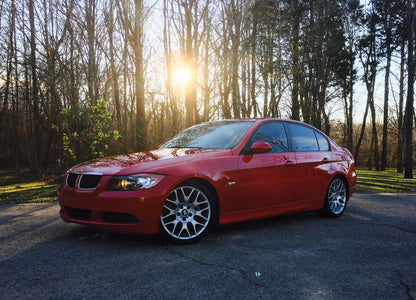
(313, 161)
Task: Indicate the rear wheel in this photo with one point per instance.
(336, 198)
(188, 213)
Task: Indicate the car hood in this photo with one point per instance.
(150, 161)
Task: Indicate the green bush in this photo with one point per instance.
(86, 131)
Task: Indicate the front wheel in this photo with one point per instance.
(188, 213)
(336, 198)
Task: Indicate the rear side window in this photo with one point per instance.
(303, 138)
(274, 134)
(322, 141)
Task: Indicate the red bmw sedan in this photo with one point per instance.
(212, 173)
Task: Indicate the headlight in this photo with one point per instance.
(134, 182)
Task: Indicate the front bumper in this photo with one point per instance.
(135, 212)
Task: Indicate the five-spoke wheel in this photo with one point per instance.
(188, 213)
(336, 198)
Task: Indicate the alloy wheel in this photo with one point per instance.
(337, 196)
(186, 213)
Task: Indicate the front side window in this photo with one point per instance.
(303, 138)
(274, 134)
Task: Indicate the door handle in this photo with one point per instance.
(290, 163)
(325, 160)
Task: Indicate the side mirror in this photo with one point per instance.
(260, 147)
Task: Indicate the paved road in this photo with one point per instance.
(368, 253)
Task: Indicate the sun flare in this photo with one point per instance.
(182, 76)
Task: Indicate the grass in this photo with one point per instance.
(384, 182)
(15, 188)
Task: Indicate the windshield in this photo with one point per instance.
(212, 135)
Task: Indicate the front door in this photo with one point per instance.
(267, 179)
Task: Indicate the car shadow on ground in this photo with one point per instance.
(235, 231)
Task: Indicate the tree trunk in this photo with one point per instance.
(114, 73)
(16, 111)
(360, 138)
(266, 95)
(141, 125)
(129, 145)
(168, 58)
(90, 13)
(295, 66)
(350, 143)
(400, 112)
(253, 80)
(408, 113)
(386, 97)
(234, 24)
(205, 69)
(37, 138)
(190, 86)
(9, 68)
(374, 134)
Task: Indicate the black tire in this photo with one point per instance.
(336, 198)
(188, 213)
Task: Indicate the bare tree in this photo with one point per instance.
(409, 111)
(295, 14)
(141, 138)
(110, 25)
(369, 57)
(400, 136)
(37, 134)
(167, 44)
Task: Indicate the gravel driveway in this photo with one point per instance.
(370, 252)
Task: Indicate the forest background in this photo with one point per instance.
(91, 78)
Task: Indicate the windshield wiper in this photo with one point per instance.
(181, 147)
